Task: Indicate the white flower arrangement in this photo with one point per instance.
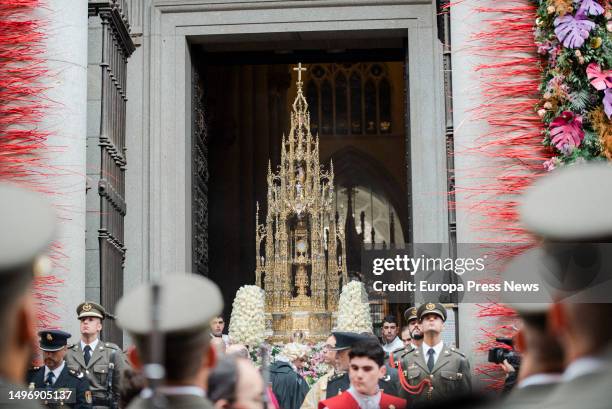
(247, 322)
(354, 309)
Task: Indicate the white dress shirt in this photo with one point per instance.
(93, 345)
(437, 350)
(397, 343)
(57, 371)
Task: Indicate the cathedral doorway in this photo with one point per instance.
(185, 37)
(242, 102)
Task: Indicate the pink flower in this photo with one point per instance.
(566, 131)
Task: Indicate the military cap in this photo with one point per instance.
(27, 226)
(570, 204)
(345, 340)
(90, 309)
(411, 314)
(432, 308)
(53, 339)
(181, 307)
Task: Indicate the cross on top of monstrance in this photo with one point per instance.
(299, 70)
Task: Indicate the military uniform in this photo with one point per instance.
(340, 383)
(68, 379)
(53, 341)
(105, 365)
(411, 314)
(181, 315)
(27, 227)
(450, 375)
(572, 205)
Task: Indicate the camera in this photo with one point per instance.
(497, 355)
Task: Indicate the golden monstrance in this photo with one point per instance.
(300, 250)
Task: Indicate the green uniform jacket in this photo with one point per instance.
(592, 391)
(529, 397)
(175, 402)
(450, 377)
(98, 368)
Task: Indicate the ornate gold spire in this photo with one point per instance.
(301, 275)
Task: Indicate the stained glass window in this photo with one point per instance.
(327, 108)
(341, 104)
(350, 99)
(356, 110)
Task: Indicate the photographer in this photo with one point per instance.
(508, 359)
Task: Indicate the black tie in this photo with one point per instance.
(49, 381)
(87, 354)
(430, 360)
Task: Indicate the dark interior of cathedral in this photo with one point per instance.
(357, 105)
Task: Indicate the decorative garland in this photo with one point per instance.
(541, 111)
(573, 37)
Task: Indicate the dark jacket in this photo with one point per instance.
(340, 382)
(288, 386)
(68, 379)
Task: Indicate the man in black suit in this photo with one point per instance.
(55, 374)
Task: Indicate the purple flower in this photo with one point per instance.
(607, 102)
(551, 164)
(572, 31)
(590, 7)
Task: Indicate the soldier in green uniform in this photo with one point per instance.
(27, 227)
(446, 368)
(183, 328)
(412, 319)
(414, 326)
(102, 362)
(569, 211)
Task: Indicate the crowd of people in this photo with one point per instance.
(180, 357)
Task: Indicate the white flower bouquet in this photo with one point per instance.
(354, 309)
(247, 323)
